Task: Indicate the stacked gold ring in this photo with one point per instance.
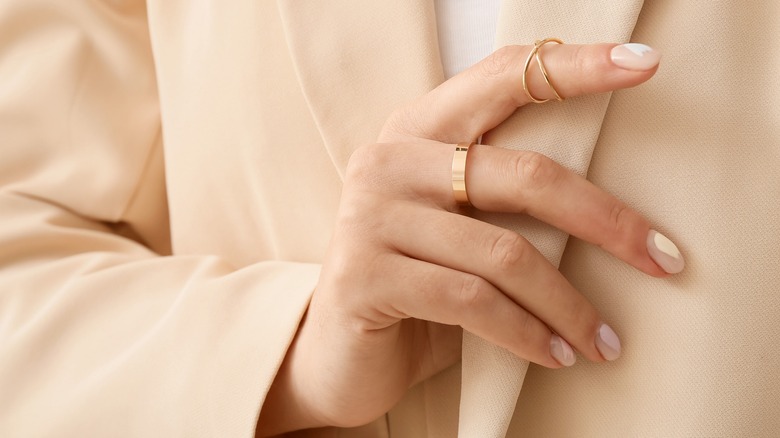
(535, 54)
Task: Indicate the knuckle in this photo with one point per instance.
(621, 227)
(473, 293)
(578, 59)
(404, 124)
(584, 66)
(366, 161)
(526, 323)
(526, 333)
(510, 251)
(501, 67)
(589, 320)
(586, 321)
(393, 126)
(618, 217)
(499, 62)
(535, 171)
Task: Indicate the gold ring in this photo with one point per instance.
(459, 172)
(535, 54)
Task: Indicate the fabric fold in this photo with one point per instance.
(493, 377)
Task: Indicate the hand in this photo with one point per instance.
(404, 271)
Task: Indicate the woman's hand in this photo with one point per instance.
(404, 270)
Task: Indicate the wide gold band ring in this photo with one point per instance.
(459, 172)
(535, 54)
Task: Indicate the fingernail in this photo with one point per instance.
(562, 351)
(664, 252)
(635, 56)
(608, 343)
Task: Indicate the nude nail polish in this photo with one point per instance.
(664, 252)
(608, 342)
(562, 351)
(635, 56)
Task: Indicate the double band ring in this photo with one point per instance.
(535, 54)
(459, 172)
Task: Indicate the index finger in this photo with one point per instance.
(481, 97)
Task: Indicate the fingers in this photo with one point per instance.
(510, 263)
(446, 296)
(509, 181)
(478, 99)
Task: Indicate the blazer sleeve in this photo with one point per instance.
(102, 331)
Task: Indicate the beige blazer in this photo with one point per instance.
(169, 178)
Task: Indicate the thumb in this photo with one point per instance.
(479, 98)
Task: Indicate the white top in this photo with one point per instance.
(467, 32)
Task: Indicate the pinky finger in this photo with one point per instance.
(438, 294)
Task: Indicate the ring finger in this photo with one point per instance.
(439, 294)
(512, 265)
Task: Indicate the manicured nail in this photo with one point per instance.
(608, 343)
(562, 351)
(664, 252)
(635, 56)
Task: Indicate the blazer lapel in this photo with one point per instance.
(565, 131)
(359, 60)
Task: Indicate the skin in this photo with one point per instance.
(405, 271)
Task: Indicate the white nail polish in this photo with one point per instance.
(562, 351)
(664, 252)
(635, 56)
(608, 343)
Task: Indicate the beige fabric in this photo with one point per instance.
(99, 334)
(492, 377)
(170, 176)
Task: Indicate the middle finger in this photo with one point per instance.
(509, 181)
